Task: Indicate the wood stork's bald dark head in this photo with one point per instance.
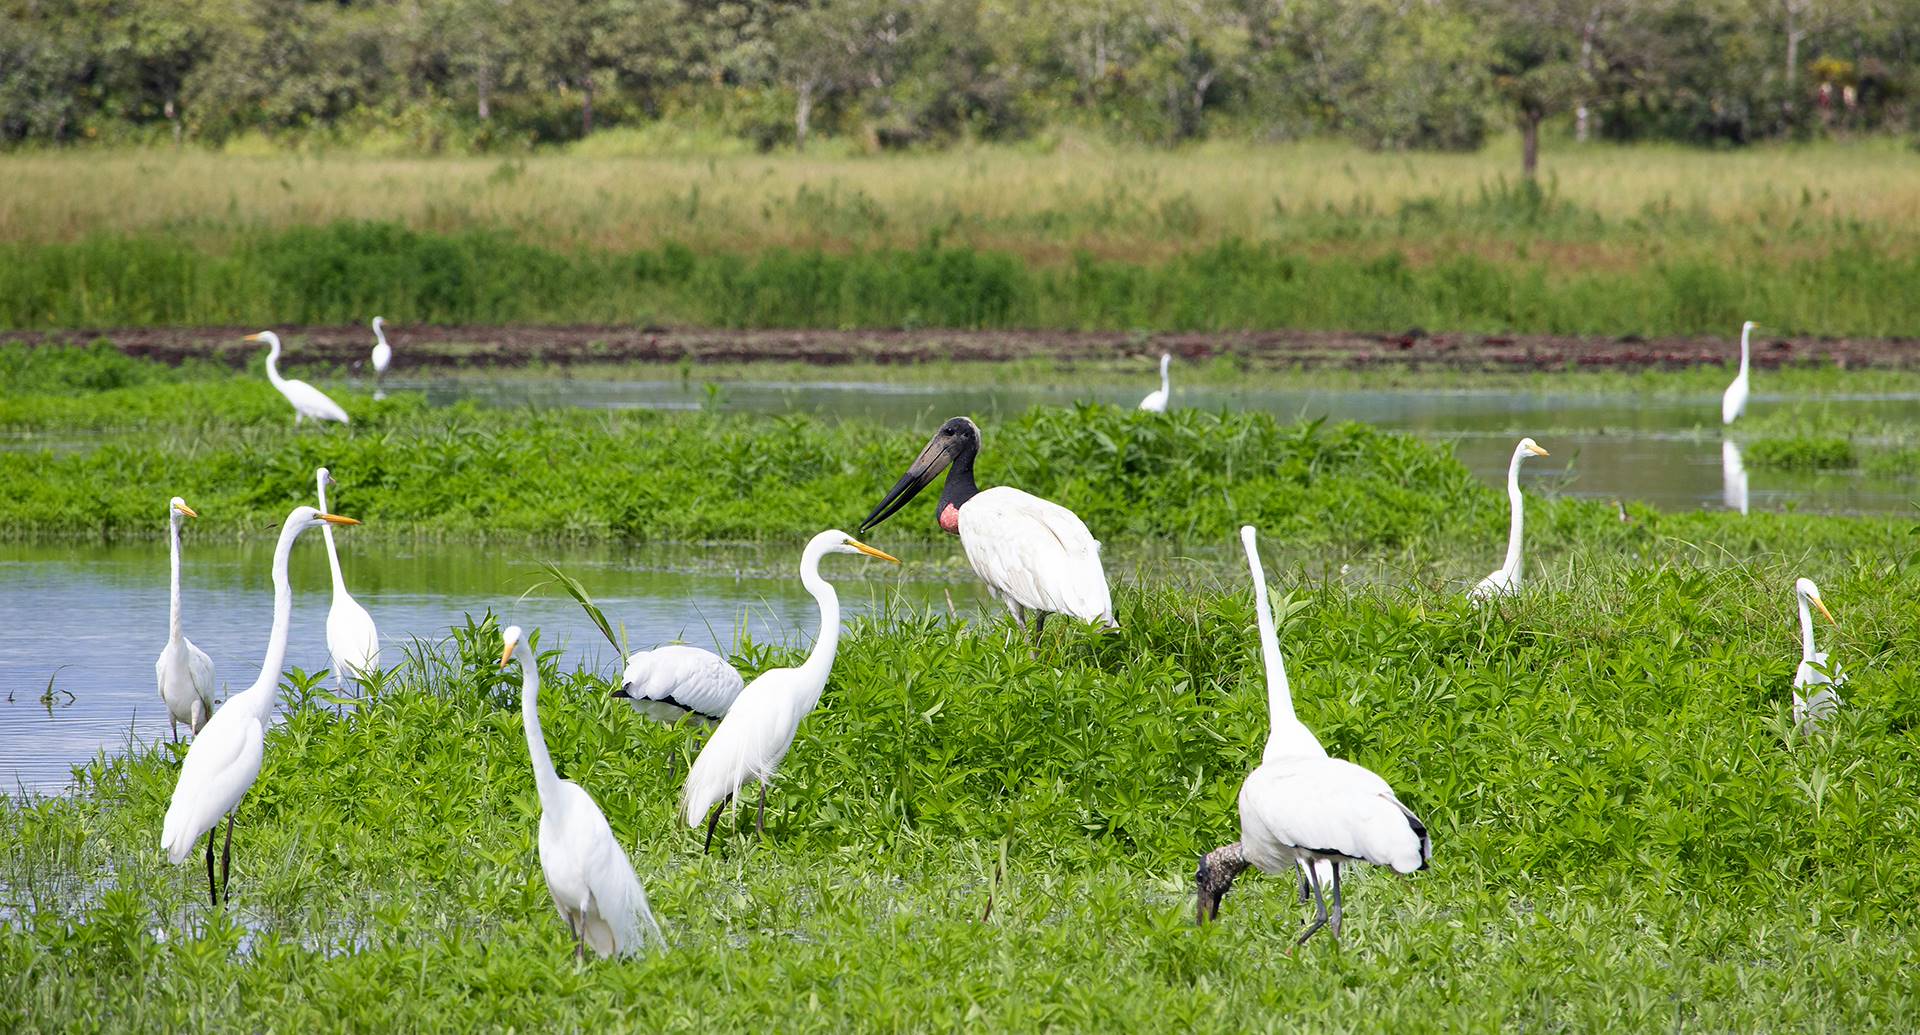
(951, 449)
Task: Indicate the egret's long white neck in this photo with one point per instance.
(820, 662)
(1806, 628)
(273, 362)
(545, 780)
(333, 555)
(265, 691)
(1512, 566)
(173, 548)
(379, 332)
(1286, 735)
(1165, 390)
(1745, 332)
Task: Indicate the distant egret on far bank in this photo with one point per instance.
(1734, 402)
(183, 671)
(382, 352)
(1810, 709)
(1156, 400)
(306, 400)
(1505, 580)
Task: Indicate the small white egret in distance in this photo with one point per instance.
(1733, 476)
(1156, 401)
(1813, 706)
(1505, 581)
(670, 683)
(1033, 555)
(382, 352)
(589, 876)
(352, 640)
(1734, 402)
(1301, 809)
(307, 401)
(183, 671)
(224, 759)
(759, 728)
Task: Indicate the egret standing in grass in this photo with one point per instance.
(224, 759)
(1156, 401)
(307, 401)
(1302, 810)
(352, 640)
(183, 671)
(1505, 581)
(760, 727)
(382, 352)
(1734, 402)
(676, 681)
(1032, 554)
(1812, 706)
(589, 876)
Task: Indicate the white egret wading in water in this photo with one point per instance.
(183, 671)
(352, 640)
(1813, 706)
(224, 759)
(1302, 810)
(1734, 402)
(1505, 581)
(382, 355)
(307, 401)
(760, 726)
(1156, 401)
(589, 876)
(1032, 554)
(670, 683)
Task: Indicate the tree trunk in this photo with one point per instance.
(483, 86)
(1529, 143)
(802, 114)
(173, 116)
(586, 106)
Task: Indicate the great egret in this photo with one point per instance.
(224, 759)
(382, 352)
(760, 726)
(1506, 579)
(1156, 401)
(588, 875)
(1735, 400)
(1032, 554)
(1811, 709)
(352, 640)
(307, 401)
(183, 671)
(1301, 809)
(1733, 476)
(669, 683)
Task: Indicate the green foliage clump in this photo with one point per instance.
(1803, 453)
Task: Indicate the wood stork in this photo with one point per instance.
(1033, 555)
(759, 728)
(1810, 709)
(1734, 402)
(307, 401)
(1505, 580)
(1302, 810)
(183, 671)
(589, 876)
(670, 683)
(224, 759)
(382, 352)
(1156, 401)
(352, 640)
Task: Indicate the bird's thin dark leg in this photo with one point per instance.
(1320, 905)
(212, 895)
(1039, 626)
(226, 859)
(175, 724)
(760, 817)
(1335, 923)
(714, 821)
(1306, 890)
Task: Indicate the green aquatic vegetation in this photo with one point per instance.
(1805, 454)
(1628, 833)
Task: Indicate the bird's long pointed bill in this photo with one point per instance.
(932, 460)
(506, 654)
(1537, 451)
(871, 552)
(188, 511)
(335, 519)
(1824, 611)
(253, 337)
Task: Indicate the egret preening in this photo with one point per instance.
(1735, 400)
(759, 728)
(1033, 555)
(1156, 401)
(183, 671)
(669, 683)
(307, 401)
(382, 352)
(1505, 581)
(1302, 810)
(224, 759)
(352, 640)
(1811, 709)
(588, 875)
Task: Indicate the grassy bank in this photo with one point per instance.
(1627, 834)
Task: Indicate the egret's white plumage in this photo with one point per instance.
(183, 671)
(224, 758)
(1033, 554)
(1302, 811)
(307, 401)
(760, 727)
(1505, 580)
(352, 639)
(382, 352)
(1156, 401)
(590, 878)
(670, 683)
(1734, 402)
(1814, 683)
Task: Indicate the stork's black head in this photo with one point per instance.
(1214, 879)
(953, 445)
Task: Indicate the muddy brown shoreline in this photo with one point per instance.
(430, 347)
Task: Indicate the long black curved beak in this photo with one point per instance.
(932, 460)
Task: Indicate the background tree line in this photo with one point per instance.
(504, 74)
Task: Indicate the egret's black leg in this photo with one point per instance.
(714, 821)
(760, 817)
(212, 895)
(226, 859)
(1039, 626)
(1320, 905)
(1335, 924)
